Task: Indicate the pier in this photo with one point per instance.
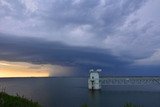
(95, 81)
(131, 80)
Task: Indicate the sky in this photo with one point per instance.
(50, 38)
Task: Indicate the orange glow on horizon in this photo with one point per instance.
(23, 69)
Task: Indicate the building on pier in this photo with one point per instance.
(94, 80)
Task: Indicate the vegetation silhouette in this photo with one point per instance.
(16, 101)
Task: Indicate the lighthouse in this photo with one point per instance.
(94, 80)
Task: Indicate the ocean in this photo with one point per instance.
(73, 92)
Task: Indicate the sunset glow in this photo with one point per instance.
(22, 69)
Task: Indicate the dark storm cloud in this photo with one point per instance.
(57, 19)
(55, 53)
(125, 33)
(103, 17)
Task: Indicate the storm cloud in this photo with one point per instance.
(56, 53)
(120, 36)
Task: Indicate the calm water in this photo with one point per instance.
(73, 92)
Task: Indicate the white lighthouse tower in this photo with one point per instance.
(94, 80)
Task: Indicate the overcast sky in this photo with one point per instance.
(120, 36)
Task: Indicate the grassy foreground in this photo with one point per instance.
(131, 105)
(16, 101)
(126, 105)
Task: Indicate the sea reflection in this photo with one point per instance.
(94, 98)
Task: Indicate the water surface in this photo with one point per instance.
(73, 92)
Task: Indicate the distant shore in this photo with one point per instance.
(82, 77)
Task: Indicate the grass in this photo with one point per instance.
(18, 101)
(126, 105)
(84, 105)
(15, 101)
(131, 105)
